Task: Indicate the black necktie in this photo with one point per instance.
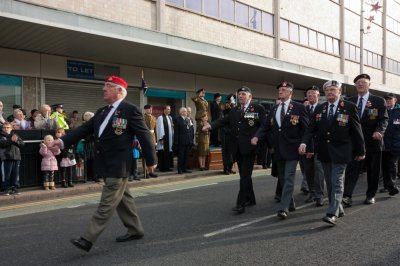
(311, 109)
(282, 112)
(359, 106)
(330, 114)
(105, 112)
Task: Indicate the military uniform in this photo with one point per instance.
(151, 123)
(201, 107)
(243, 125)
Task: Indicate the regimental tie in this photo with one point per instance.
(242, 108)
(282, 112)
(105, 112)
(330, 114)
(311, 109)
(359, 106)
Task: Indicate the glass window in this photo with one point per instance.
(211, 7)
(336, 49)
(242, 14)
(294, 32)
(303, 36)
(321, 41)
(10, 92)
(329, 44)
(312, 38)
(267, 23)
(228, 10)
(255, 18)
(176, 2)
(370, 60)
(284, 25)
(379, 62)
(193, 5)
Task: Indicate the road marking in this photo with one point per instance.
(231, 228)
(184, 188)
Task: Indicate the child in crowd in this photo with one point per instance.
(49, 162)
(10, 155)
(136, 156)
(203, 141)
(67, 163)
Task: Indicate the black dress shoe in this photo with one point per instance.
(383, 190)
(82, 244)
(249, 203)
(232, 172)
(153, 175)
(309, 199)
(369, 200)
(341, 214)
(136, 178)
(238, 209)
(394, 191)
(319, 202)
(186, 171)
(304, 190)
(128, 237)
(282, 215)
(347, 202)
(330, 220)
(226, 172)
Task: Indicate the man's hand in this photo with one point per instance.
(309, 155)
(302, 149)
(377, 136)
(14, 138)
(206, 128)
(254, 141)
(359, 158)
(151, 168)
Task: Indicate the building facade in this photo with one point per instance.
(59, 51)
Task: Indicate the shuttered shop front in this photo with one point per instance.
(80, 96)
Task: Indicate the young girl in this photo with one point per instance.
(203, 141)
(67, 163)
(49, 162)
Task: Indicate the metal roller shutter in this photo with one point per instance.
(80, 96)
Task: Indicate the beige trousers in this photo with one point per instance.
(115, 196)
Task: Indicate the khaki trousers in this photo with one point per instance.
(115, 196)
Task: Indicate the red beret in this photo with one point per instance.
(117, 80)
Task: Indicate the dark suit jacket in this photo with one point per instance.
(286, 139)
(215, 111)
(183, 134)
(392, 133)
(242, 126)
(340, 142)
(374, 119)
(113, 152)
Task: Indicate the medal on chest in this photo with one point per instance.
(119, 124)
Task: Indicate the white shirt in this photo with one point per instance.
(112, 111)
(278, 111)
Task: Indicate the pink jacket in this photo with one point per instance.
(49, 161)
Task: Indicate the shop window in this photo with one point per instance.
(10, 92)
(211, 7)
(284, 27)
(228, 10)
(194, 5)
(268, 23)
(242, 14)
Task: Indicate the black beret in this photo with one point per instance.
(285, 84)
(199, 90)
(362, 76)
(17, 106)
(313, 88)
(244, 88)
(217, 95)
(147, 106)
(390, 96)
